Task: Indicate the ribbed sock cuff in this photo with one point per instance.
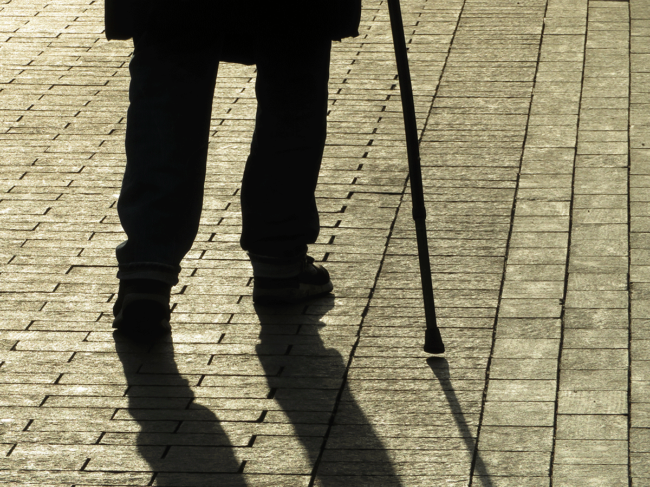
(149, 270)
(276, 268)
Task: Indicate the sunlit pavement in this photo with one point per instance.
(535, 143)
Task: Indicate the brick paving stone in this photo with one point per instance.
(535, 141)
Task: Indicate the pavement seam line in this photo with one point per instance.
(568, 257)
(629, 255)
(317, 462)
(476, 455)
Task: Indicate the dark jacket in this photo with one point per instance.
(240, 23)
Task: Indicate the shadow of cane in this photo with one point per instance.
(440, 368)
(306, 384)
(182, 443)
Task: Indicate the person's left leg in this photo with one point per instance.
(161, 199)
(166, 148)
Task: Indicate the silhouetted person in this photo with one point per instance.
(178, 46)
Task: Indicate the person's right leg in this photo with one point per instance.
(279, 211)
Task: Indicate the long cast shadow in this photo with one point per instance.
(305, 383)
(440, 368)
(182, 442)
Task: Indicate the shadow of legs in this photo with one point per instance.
(306, 383)
(182, 442)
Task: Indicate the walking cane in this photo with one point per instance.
(432, 340)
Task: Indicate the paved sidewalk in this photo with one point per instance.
(535, 141)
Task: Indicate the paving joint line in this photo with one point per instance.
(629, 254)
(375, 281)
(475, 453)
(568, 257)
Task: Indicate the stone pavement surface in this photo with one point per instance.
(535, 141)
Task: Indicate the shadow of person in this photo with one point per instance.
(307, 383)
(182, 443)
(440, 368)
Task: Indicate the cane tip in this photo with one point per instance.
(433, 341)
(434, 349)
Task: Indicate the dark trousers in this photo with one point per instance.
(171, 92)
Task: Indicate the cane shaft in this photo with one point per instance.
(408, 108)
(433, 341)
(425, 269)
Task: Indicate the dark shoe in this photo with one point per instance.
(142, 309)
(313, 280)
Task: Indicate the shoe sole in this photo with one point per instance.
(291, 295)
